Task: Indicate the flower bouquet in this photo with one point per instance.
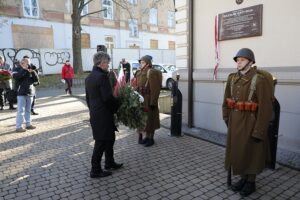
(5, 75)
(131, 111)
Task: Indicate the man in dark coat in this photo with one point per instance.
(33, 67)
(102, 106)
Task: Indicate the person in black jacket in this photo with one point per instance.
(102, 106)
(33, 67)
(25, 78)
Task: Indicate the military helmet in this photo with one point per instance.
(245, 53)
(147, 59)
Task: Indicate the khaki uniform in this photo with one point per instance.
(149, 85)
(243, 153)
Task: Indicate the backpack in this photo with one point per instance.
(268, 76)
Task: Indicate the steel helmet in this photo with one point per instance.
(245, 53)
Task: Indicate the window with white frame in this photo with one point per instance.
(109, 41)
(153, 16)
(133, 2)
(30, 8)
(108, 5)
(85, 9)
(133, 28)
(171, 19)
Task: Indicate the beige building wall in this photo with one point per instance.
(280, 33)
(277, 51)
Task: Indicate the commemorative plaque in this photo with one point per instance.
(246, 22)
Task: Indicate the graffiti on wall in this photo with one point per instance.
(13, 56)
(54, 58)
(48, 61)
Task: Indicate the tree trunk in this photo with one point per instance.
(76, 39)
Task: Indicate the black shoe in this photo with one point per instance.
(248, 189)
(144, 141)
(113, 166)
(149, 143)
(12, 108)
(1, 107)
(99, 173)
(239, 185)
(34, 113)
(140, 141)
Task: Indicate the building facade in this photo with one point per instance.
(47, 24)
(276, 50)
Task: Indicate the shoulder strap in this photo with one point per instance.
(231, 85)
(252, 87)
(148, 74)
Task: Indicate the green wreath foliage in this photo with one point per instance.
(131, 111)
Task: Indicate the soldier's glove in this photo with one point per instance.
(152, 107)
(256, 139)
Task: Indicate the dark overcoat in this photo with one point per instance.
(101, 103)
(247, 142)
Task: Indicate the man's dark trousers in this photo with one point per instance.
(100, 147)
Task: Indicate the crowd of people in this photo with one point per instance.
(247, 111)
(21, 91)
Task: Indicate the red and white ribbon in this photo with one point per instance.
(217, 51)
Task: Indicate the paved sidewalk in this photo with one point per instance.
(53, 162)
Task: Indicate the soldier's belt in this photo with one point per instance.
(241, 105)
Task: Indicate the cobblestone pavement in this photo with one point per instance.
(53, 162)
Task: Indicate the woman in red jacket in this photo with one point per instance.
(67, 74)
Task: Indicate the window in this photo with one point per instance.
(153, 16)
(133, 28)
(85, 9)
(171, 44)
(171, 19)
(108, 5)
(109, 42)
(133, 2)
(30, 8)
(85, 40)
(154, 44)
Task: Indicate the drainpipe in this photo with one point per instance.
(190, 65)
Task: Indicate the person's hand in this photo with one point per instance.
(30, 70)
(256, 140)
(152, 107)
(226, 122)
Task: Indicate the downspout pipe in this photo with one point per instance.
(190, 65)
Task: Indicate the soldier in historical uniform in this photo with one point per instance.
(149, 85)
(5, 85)
(247, 110)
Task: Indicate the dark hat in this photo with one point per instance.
(245, 53)
(147, 59)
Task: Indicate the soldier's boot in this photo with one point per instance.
(239, 185)
(248, 189)
(140, 141)
(150, 141)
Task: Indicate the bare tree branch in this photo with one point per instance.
(98, 11)
(87, 2)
